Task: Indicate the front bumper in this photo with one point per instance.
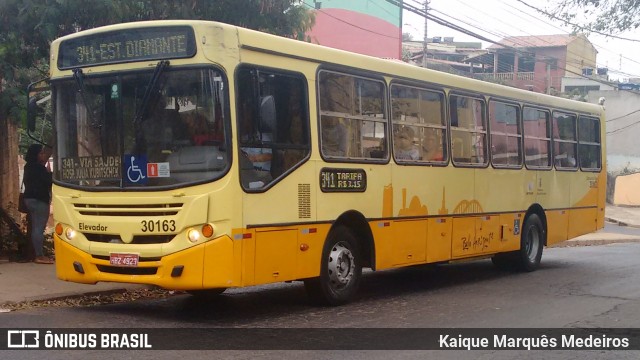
(208, 265)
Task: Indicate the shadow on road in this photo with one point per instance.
(275, 305)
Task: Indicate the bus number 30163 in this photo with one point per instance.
(157, 225)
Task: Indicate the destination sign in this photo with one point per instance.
(127, 45)
(91, 168)
(343, 180)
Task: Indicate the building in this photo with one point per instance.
(542, 63)
(623, 148)
(443, 53)
(370, 27)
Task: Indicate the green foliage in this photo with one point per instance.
(605, 16)
(27, 28)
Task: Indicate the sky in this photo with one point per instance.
(496, 19)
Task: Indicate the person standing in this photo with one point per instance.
(37, 195)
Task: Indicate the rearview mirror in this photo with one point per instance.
(38, 101)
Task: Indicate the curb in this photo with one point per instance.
(620, 222)
(593, 242)
(88, 298)
(68, 295)
(73, 295)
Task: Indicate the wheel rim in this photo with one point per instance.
(341, 266)
(533, 243)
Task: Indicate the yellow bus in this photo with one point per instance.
(200, 156)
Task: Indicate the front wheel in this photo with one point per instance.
(340, 272)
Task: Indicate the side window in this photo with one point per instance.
(468, 131)
(353, 124)
(537, 138)
(419, 128)
(273, 125)
(589, 143)
(506, 148)
(564, 140)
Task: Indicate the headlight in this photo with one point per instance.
(193, 235)
(70, 233)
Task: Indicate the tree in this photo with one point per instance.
(27, 28)
(603, 16)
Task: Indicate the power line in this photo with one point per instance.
(516, 50)
(622, 128)
(623, 116)
(597, 45)
(438, 20)
(453, 26)
(503, 35)
(575, 25)
(350, 24)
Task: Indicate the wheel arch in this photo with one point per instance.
(538, 210)
(356, 222)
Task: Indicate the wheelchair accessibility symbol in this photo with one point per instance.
(136, 166)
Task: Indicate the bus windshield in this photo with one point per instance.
(161, 128)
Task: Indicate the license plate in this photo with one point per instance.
(117, 259)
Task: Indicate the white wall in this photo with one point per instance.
(623, 129)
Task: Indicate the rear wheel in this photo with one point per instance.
(530, 253)
(340, 272)
(531, 244)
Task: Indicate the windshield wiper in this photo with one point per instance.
(141, 112)
(151, 87)
(78, 76)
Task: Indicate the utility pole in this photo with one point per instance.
(425, 40)
(548, 78)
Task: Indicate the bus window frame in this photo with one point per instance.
(520, 135)
(599, 143)
(555, 139)
(474, 96)
(445, 126)
(306, 113)
(549, 139)
(386, 111)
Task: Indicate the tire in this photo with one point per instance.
(531, 244)
(340, 271)
(206, 293)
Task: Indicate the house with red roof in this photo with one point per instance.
(539, 63)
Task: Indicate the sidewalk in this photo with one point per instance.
(30, 281)
(21, 282)
(619, 215)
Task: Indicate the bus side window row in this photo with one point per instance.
(353, 126)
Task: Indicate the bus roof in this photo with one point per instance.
(263, 42)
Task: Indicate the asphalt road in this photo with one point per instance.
(576, 287)
(614, 228)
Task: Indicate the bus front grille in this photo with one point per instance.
(137, 239)
(128, 209)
